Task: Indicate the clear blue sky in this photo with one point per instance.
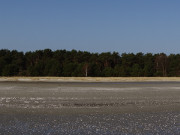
(91, 25)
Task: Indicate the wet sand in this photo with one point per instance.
(89, 107)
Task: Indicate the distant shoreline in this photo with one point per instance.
(89, 79)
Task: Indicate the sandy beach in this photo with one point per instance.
(89, 79)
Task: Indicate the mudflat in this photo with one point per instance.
(34, 107)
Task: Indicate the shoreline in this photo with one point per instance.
(90, 79)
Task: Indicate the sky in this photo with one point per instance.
(124, 26)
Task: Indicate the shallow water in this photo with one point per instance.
(128, 123)
(90, 108)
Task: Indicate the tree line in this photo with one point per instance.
(82, 63)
